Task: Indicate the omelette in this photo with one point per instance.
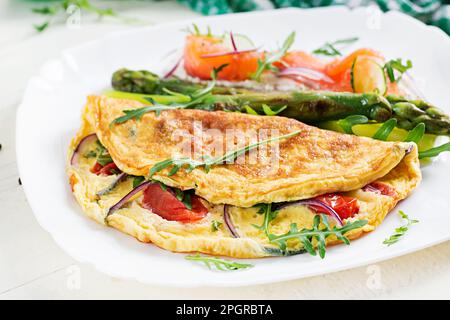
(152, 177)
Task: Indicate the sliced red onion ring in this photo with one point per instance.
(410, 148)
(81, 144)
(233, 43)
(173, 69)
(113, 184)
(370, 188)
(228, 222)
(306, 73)
(130, 194)
(314, 202)
(228, 53)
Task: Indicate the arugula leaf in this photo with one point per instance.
(267, 63)
(329, 48)
(208, 162)
(198, 97)
(48, 10)
(250, 110)
(90, 154)
(61, 8)
(104, 159)
(307, 236)
(215, 225)
(397, 65)
(347, 123)
(400, 231)
(187, 201)
(41, 27)
(219, 264)
(138, 113)
(433, 152)
(269, 112)
(269, 215)
(385, 130)
(266, 109)
(137, 181)
(416, 134)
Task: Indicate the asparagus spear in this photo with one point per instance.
(410, 113)
(306, 106)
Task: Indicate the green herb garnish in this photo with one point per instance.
(137, 114)
(90, 154)
(400, 231)
(316, 234)
(219, 264)
(267, 63)
(215, 225)
(184, 197)
(330, 48)
(197, 98)
(104, 159)
(269, 215)
(347, 123)
(250, 110)
(397, 65)
(208, 162)
(41, 27)
(385, 130)
(416, 134)
(137, 181)
(434, 152)
(61, 8)
(270, 112)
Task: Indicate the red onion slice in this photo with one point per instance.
(81, 144)
(306, 73)
(174, 68)
(314, 202)
(370, 188)
(233, 43)
(130, 194)
(228, 222)
(113, 184)
(228, 53)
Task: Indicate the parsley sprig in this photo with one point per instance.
(400, 231)
(397, 65)
(219, 264)
(331, 48)
(316, 234)
(208, 162)
(267, 62)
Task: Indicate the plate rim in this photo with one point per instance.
(195, 283)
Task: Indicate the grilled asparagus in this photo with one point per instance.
(306, 106)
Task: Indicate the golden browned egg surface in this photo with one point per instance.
(313, 162)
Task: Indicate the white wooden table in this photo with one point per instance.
(32, 265)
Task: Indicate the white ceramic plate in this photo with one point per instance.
(50, 115)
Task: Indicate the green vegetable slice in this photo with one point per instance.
(385, 130)
(368, 76)
(348, 123)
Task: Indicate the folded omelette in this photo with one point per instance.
(235, 208)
